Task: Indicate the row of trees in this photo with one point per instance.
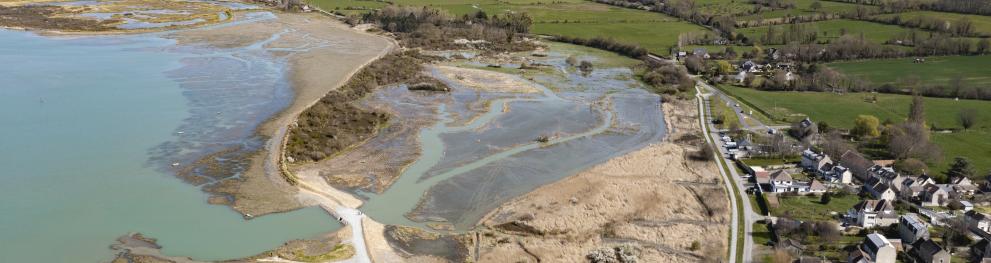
(960, 27)
(979, 7)
(629, 50)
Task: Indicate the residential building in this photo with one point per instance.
(912, 187)
(886, 174)
(977, 221)
(873, 213)
(812, 161)
(879, 189)
(935, 195)
(911, 228)
(835, 173)
(875, 248)
(927, 251)
(857, 163)
(781, 182)
(981, 251)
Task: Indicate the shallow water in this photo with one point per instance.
(90, 125)
(474, 159)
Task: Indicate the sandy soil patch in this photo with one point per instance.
(483, 80)
(655, 199)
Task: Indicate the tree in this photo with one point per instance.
(866, 126)
(983, 46)
(917, 110)
(825, 199)
(911, 166)
(961, 168)
(828, 231)
(694, 64)
(968, 117)
(815, 6)
(824, 127)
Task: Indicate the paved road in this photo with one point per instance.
(742, 112)
(734, 223)
(749, 216)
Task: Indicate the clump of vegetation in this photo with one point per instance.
(435, 29)
(666, 78)
(429, 86)
(705, 153)
(336, 123)
(585, 67)
(543, 139)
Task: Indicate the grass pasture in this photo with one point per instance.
(975, 71)
(655, 31)
(803, 8)
(982, 24)
(832, 29)
(839, 110)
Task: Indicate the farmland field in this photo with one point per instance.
(981, 24)
(831, 29)
(654, 31)
(839, 110)
(974, 70)
(803, 8)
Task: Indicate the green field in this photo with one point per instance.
(839, 110)
(831, 29)
(655, 31)
(803, 8)
(981, 24)
(974, 70)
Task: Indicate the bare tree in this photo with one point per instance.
(968, 117)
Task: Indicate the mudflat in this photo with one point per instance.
(323, 53)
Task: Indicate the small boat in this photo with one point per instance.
(175, 164)
(180, 132)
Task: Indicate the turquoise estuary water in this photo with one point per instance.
(84, 125)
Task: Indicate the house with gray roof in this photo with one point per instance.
(927, 251)
(911, 228)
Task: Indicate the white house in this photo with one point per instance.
(781, 182)
(873, 213)
(879, 189)
(935, 195)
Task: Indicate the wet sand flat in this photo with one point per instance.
(322, 54)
